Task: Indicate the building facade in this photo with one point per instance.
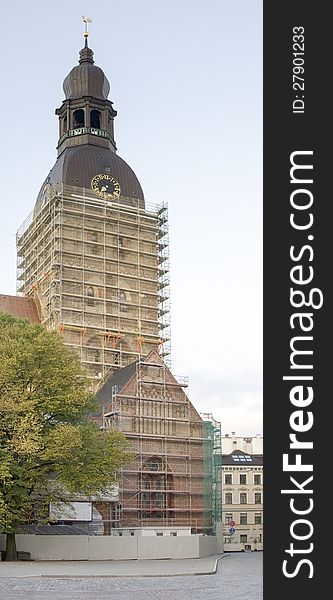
(249, 444)
(242, 481)
(170, 481)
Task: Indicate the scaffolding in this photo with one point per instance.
(99, 272)
(212, 470)
(164, 485)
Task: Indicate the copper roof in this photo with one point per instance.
(86, 79)
(77, 166)
(25, 308)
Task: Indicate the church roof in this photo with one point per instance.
(24, 308)
(117, 379)
(123, 376)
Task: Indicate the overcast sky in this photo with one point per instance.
(186, 80)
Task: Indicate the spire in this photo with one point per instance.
(86, 54)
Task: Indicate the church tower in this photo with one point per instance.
(93, 254)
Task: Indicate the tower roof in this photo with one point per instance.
(77, 166)
(86, 79)
(86, 146)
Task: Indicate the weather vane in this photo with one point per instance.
(86, 20)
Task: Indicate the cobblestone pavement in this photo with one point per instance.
(239, 577)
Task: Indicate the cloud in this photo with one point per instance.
(237, 403)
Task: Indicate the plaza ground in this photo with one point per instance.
(238, 576)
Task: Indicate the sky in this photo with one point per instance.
(186, 80)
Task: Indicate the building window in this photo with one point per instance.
(152, 466)
(78, 118)
(159, 501)
(131, 532)
(94, 236)
(228, 498)
(242, 479)
(257, 498)
(146, 499)
(228, 518)
(257, 518)
(95, 119)
(242, 498)
(257, 479)
(228, 479)
(260, 538)
(159, 533)
(90, 294)
(147, 483)
(174, 533)
(122, 300)
(243, 519)
(243, 539)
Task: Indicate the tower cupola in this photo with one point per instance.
(87, 154)
(86, 115)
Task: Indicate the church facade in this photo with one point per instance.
(93, 260)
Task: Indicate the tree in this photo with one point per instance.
(50, 449)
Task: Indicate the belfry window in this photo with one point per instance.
(95, 119)
(91, 295)
(78, 118)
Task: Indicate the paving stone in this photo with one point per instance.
(238, 577)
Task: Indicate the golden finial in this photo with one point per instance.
(86, 20)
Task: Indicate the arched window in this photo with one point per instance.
(153, 465)
(91, 295)
(95, 119)
(146, 482)
(78, 118)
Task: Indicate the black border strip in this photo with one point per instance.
(287, 131)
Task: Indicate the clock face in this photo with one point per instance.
(105, 186)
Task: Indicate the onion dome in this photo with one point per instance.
(86, 79)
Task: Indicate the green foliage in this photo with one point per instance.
(49, 449)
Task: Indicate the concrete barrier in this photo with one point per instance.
(207, 546)
(83, 547)
(168, 547)
(112, 548)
